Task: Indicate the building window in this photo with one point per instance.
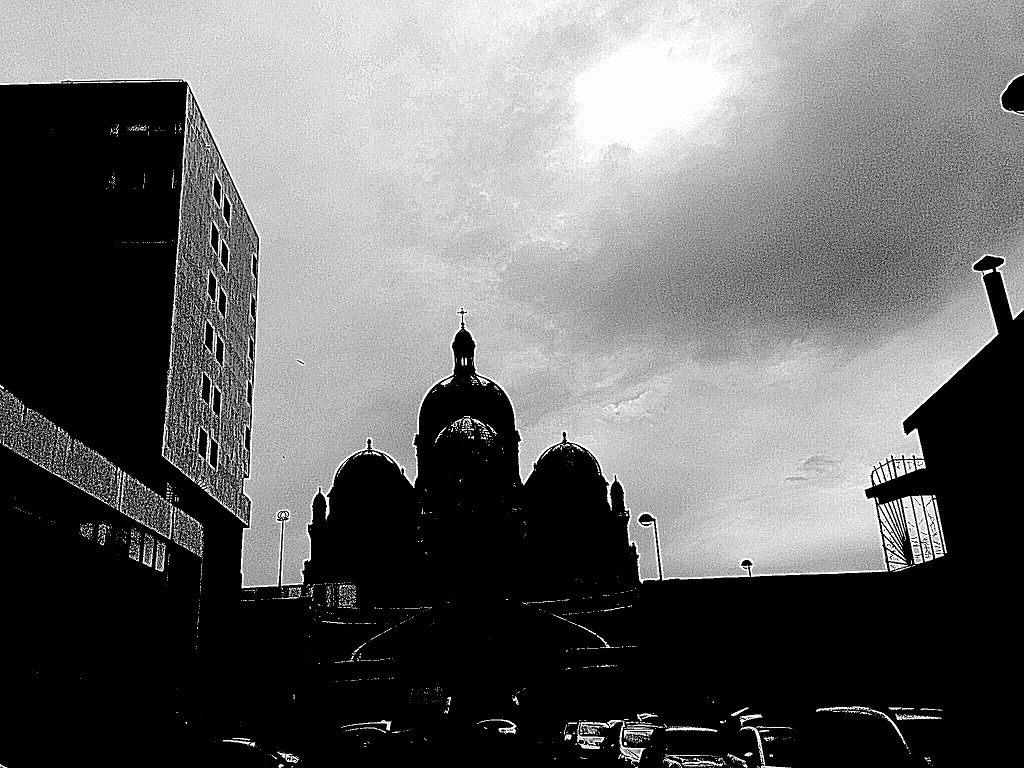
(227, 209)
(160, 558)
(88, 530)
(211, 287)
(248, 392)
(214, 237)
(135, 544)
(255, 265)
(224, 255)
(206, 388)
(220, 349)
(216, 189)
(208, 340)
(147, 549)
(222, 304)
(252, 348)
(248, 439)
(201, 447)
(216, 400)
(214, 448)
(103, 532)
(252, 307)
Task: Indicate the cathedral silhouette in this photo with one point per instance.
(469, 527)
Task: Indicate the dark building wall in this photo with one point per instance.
(105, 307)
(972, 437)
(91, 234)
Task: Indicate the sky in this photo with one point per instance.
(724, 246)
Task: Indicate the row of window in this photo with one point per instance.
(139, 545)
(225, 204)
(208, 448)
(214, 343)
(206, 445)
(220, 246)
(210, 394)
(217, 295)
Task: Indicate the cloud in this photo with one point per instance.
(820, 464)
(842, 187)
(646, 406)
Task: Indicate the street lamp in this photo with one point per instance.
(748, 565)
(282, 518)
(645, 520)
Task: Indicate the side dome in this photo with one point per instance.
(567, 460)
(366, 467)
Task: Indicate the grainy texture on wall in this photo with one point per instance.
(215, 287)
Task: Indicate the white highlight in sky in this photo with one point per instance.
(642, 90)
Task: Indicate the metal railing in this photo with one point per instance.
(909, 526)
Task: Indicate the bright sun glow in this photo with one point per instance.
(642, 90)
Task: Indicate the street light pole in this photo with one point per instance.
(748, 565)
(282, 518)
(645, 520)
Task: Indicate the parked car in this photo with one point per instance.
(244, 753)
(683, 747)
(852, 737)
(761, 746)
(590, 735)
(926, 733)
(634, 736)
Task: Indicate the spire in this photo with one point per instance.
(463, 346)
(319, 505)
(565, 438)
(369, 444)
(618, 498)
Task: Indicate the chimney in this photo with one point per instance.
(996, 291)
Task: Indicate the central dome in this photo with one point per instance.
(465, 394)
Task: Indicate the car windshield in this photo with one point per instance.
(636, 737)
(591, 729)
(690, 742)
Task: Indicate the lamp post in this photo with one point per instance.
(748, 565)
(645, 520)
(282, 518)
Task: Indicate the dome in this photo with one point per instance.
(465, 394)
(366, 467)
(468, 432)
(568, 460)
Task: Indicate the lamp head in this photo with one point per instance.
(645, 519)
(283, 516)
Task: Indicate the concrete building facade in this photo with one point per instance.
(129, 306)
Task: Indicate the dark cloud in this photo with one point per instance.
(843, 189)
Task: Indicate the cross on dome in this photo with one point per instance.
(462, 311)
